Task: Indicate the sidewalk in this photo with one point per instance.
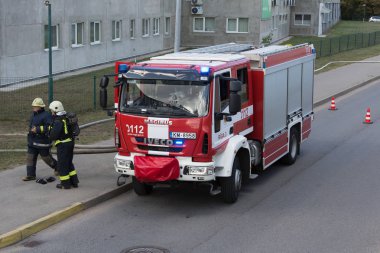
(28, 207)
(339, 81)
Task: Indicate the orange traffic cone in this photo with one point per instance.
(368, 117)
(333, 106)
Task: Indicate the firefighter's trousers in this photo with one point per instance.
(66, 169)
(31, 159)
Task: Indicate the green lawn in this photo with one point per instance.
(349, 40)
(76, 94)
(350, 27)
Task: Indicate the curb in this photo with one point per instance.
(31, 228)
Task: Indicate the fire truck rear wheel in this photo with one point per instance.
(294, 146)
(140, 188)
(231, 186)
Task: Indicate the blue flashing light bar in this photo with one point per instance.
(205, 71)
(178, 142)
(123, 68)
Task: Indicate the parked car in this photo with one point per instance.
(374, 19)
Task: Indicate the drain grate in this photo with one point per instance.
(145, 249)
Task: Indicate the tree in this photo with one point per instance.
(373, 7)
(350, 9)
(353, 9)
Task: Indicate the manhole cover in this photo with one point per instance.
(145, 249)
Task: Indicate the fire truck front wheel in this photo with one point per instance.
(140, 188)
(231, 186)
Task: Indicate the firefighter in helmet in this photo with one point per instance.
(38, 140)
(62, 136)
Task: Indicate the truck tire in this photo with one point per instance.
(231, 186)
(141, 189)
(294, 146)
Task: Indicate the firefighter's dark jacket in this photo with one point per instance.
(42, 121)
(60, 131)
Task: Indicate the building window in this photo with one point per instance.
(204, 24)
(116, 30)
(132, 28)
(77, 34)
(167, 25)
(145, 27)
(54, 37)
(94, 32)
(302, 19)
(156, 26)
(237, 25)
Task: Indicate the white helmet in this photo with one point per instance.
(56, 106)
(38, 102)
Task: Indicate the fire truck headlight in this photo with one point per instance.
(200, 171)
(124, 164)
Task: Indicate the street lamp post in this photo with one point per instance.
(177, 34)
(50, 87)
(364, 6)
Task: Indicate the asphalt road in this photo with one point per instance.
(329, 201)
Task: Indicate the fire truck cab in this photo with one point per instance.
(217, 115)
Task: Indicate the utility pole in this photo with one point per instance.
(50, 87)
(177, 35)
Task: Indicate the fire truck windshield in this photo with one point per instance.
(174, 98)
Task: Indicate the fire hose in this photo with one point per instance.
(333, 62)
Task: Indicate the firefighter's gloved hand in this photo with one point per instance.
(41, 181)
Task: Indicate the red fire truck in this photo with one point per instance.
(216, 115)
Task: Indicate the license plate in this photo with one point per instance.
(183, 135)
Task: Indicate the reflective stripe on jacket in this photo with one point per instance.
(59, 132)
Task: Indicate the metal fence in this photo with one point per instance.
(335, 45)
(76, 94)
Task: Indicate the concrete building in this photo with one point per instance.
(87, 33)
(314, 17)
(255, 21)
(221, 21)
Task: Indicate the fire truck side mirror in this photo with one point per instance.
(103, 91)
(235, 99)
(235, 86)
(104, 82)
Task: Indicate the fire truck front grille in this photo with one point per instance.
(162, 149)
